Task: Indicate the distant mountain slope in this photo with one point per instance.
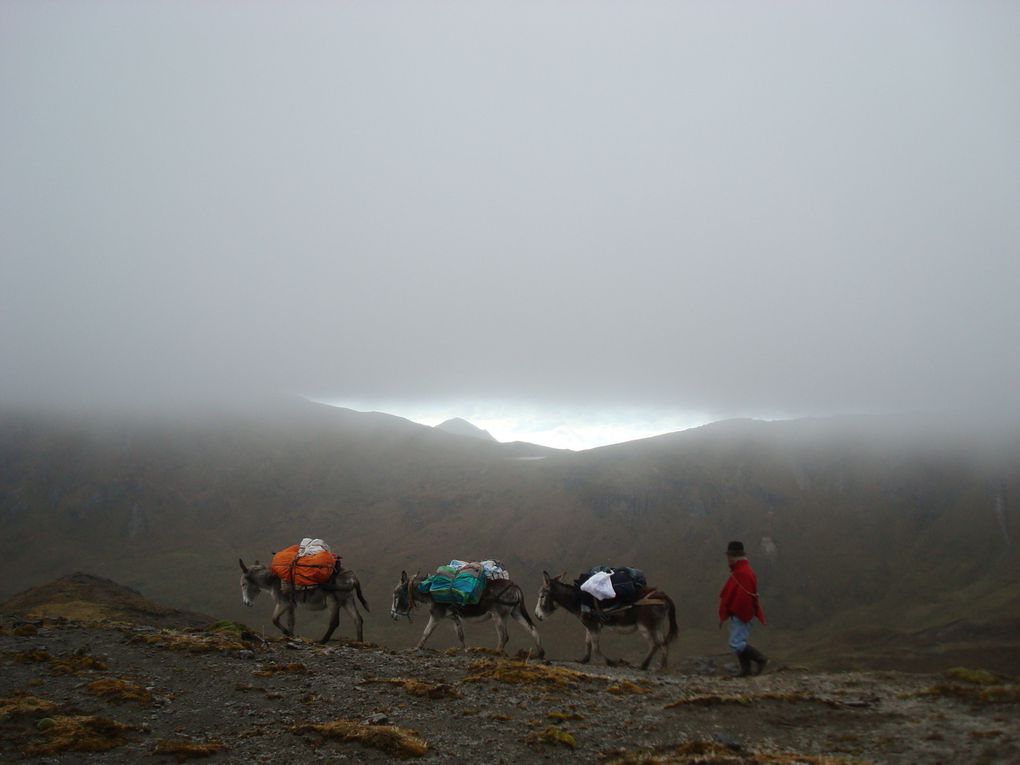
(462, 427)
(884, 522)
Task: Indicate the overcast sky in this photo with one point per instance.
(684, 211)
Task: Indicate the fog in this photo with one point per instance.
(727, 208)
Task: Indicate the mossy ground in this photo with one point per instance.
(554, 735)
(714, 753)
(188, 750)
(119, 691)
(388, 738)
(79, 733)
(522, 672)
(418, 687)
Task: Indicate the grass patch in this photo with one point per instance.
(188, 750)
(119, 691)
(553, 735)
(235, 630)
(522, 672)
(73, 664)
(714, 699)
(293, 668)
(626, 686)
(80, 733)
(973, 676)
(563, 716)
(387, 738)
(23, 706)
(712, 753)
(975, 694)
(34, 655)
(418, 687)
(174, 640)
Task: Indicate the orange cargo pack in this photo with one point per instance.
(306, 571)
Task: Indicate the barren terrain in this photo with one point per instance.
(125, 693)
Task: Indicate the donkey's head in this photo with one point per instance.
(546, 603)
(251, 576)
(403, 598)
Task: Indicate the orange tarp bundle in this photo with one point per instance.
(306, 570)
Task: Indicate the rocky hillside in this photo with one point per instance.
(114, 691)
(83, 597)
(879, 542)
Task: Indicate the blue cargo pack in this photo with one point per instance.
(464, 588)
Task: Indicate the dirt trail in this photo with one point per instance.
(67, 686)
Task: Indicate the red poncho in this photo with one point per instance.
(739, 596)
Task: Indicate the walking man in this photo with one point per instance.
(738, 602)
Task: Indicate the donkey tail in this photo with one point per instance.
(674, 631)
(357, 589)
(524, 608)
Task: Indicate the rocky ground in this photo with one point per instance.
(123, 693)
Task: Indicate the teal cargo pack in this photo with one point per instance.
(463, 589)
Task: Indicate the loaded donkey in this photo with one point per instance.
(335, 593)
(501, 600)
(653, 614)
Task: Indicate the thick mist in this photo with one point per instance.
(731, 209)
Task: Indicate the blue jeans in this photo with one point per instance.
(739, 633)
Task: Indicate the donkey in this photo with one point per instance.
(650, 615)
(336, 592)
(501, 600)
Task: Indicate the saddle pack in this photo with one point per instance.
(308, 564)
(621, 586)
(461, 586)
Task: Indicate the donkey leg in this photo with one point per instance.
(519, 617)
(429, 629)
(458, 627)
(587, 647)
(355, 614)
(334, 619)
(502, 634)
(598, 650)
(653, 645)
(291, 609)
(277, 613)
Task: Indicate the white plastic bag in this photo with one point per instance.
(311, 546)
(600, 586)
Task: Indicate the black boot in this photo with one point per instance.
(759, 659)
(745, 663)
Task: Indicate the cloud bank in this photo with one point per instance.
(730, 210)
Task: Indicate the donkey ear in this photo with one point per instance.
(244, 568)
(403, 577)
(560, 577)
(545, 576)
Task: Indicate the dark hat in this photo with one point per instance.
(735, 549)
